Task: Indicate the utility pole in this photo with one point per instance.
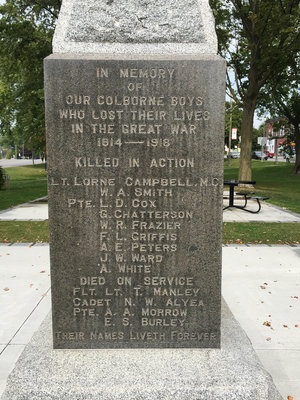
(229, 138)
(276, 151)
(262, 146)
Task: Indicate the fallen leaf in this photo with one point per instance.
(267, 323)
(290, 397)
(31, 285)
(6, 289)
(296, 326)
(44, 294)
(268, 339)
(262, 287)
(285, 326)
(42, 272)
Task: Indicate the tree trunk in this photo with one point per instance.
(245, 172)
(297, 140)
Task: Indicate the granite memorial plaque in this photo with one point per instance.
(135, 165)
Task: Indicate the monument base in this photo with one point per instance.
(234, 372)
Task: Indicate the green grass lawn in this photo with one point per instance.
(255, 232)
(26, 183)
(24, 231)
(259, 232)
(275, 181)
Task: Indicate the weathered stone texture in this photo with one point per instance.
(135, 27)
(232, 373)
(135, 165)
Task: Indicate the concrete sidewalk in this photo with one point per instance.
(5, 163)
(268, 213)
(261, 285)
(38, 211)
(24, 299)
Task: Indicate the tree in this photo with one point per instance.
(236, 119)
(26, 30)
(282, 100)
(260, 132)
(262, 41)
(288, 108)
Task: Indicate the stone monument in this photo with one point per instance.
(135, 112)
(135, 122)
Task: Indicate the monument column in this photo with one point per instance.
(135, 121)
(135, 97)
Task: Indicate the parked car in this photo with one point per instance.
(270, 155)
(235, 154)
(256, 155)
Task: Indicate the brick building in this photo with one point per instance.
(275, 134)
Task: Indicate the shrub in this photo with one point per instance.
(10, 153)
(2, 178)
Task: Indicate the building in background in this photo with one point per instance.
(276, 134)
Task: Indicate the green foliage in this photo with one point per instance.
(26, 29)
(223, 22)
(266, 42)
(260, 40)
(10, 153)
(260, 132)
(284, 102)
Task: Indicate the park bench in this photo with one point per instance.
(245, 195)
(258, 199)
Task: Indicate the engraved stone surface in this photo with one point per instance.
(135, 19)
(135, 165)
(232, 373)
(134, 26)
